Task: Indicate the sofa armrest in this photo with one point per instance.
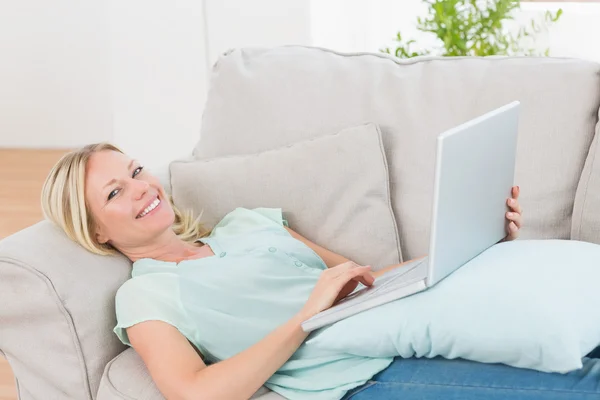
(57, 312)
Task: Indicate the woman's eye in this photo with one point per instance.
(137, 171)
(112, 194)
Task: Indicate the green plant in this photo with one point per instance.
(473, 28)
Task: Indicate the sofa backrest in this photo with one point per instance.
(57, 313)
(261, 99)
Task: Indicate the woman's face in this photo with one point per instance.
(120, 196)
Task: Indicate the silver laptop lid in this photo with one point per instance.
(475, 166)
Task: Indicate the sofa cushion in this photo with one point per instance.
(586, 211)
(57, 313)
(332, 189)
(126, 378)
(261, 99)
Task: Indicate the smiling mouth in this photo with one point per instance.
(153, 206)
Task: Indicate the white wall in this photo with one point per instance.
(241, 23)
(131, 72)
(161, 60)
(363, 25)
(54, 86)
(158, 76)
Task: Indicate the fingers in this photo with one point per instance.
(342, 268)
(516, 218)
(360, 273)
(513, 231)
(515, 191)
(366, 278)
(351, 270)
(515, 215)
(514, 205)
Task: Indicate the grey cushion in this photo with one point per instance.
(586, 211)
(126, 377)
(262, 99)
(57, 313)
(332, 189)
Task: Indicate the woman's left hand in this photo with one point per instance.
(514, 216)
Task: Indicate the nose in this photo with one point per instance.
(140, 188)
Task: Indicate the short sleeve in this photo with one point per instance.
(146, 298)
(243, 220)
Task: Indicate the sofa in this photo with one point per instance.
(57, 307)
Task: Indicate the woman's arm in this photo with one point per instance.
(382, 271)
(251, 367)
(330, 258)
(180, 373)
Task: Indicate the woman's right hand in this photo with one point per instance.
(330, 284)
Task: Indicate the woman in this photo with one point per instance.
(217, 313)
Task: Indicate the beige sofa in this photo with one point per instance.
(57, 300)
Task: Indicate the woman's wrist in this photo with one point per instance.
(299, 318)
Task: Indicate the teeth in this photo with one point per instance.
(150, 208)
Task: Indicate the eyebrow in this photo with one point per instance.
(114, 180)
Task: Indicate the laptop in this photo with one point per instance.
(474, 174)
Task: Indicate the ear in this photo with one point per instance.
(100, 236)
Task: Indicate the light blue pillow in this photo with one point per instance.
(526, 303)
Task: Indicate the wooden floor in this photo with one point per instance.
(22, 173)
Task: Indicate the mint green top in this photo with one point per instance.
(259, 278)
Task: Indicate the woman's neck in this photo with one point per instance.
(168, 247)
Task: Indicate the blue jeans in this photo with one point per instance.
(439, 378)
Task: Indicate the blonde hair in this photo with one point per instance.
(64, 204)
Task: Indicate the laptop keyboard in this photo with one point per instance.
(389, 281)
